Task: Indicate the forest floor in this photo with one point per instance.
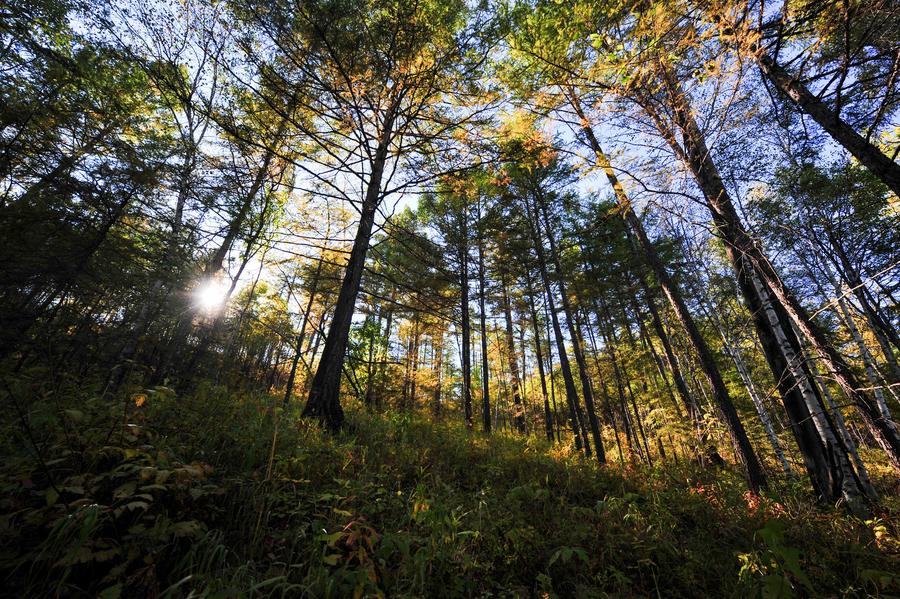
(159, 495)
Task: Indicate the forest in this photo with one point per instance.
(449, 298)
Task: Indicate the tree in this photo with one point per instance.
(555, 72)
(862, 34)
(382, 75)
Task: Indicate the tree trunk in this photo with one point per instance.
(867, 358)
(755, 475)
(661, 368)
(867, 153)
(465, 350)
(731, 348)
(324, 394)
(375, 394)
(414, 373)
(407, 367)
(485, 370)
(519, 412)
(841, 426)
(556, 418)
(371, 369)
(845, 477)
(548, 418)
(565, 367)
(607, 405)
(576, 345)
(289, 390)
(524, 376)
(604, 322)
(884, 332)
(439, 368)
(150, 304)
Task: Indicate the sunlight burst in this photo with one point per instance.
(210, 295)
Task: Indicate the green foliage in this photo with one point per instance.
(775, 569)
(156, 494)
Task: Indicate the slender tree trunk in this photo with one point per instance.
(576, 345)
(485, 370)
(556, 418)
(519, 412)
(273, 365)
(867, 358)
(841, 427)
(371, 368)
(637, 416)
(465, 358)
(502, 381)
(863, 150)
(755, 474)
(324, 394)
(633, 350)
(731, 348)
(414, 373)
(312, 348)
(375, 392)
(565, 367)
(607, 404)
(211, 332)
(883, 331)
(548, 417)
(847, 479)
(707, 449)
(150, 304)
(313, 289)
(661, 369)
(407, 368)
(439, 368)
(605, 323)
(524, 376)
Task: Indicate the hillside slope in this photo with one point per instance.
(177, 496)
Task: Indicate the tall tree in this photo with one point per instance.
(384, 74)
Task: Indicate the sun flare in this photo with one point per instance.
(210, 295)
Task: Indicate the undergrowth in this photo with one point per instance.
(153, 494)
